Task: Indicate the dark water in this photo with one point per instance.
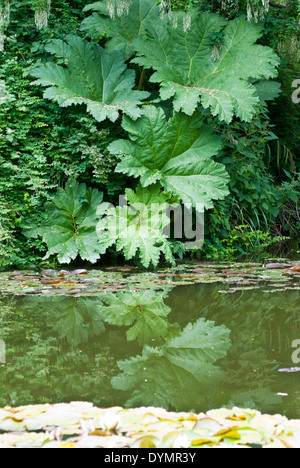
(189, 348)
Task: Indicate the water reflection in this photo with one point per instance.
(190, 348)
(181, 373)
(43, 363)
(77, 319)
(263, 326)
(145, 312)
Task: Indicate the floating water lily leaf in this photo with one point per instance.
(79, 425)
(99, 282)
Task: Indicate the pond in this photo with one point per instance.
(197, 337)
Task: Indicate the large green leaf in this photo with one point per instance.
(121, 30)
(90, 76)
(144, 312)
(186, 69)
(70, 229)
(177, 153)
(138, 226)
(178, 373)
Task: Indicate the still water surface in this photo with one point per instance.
(188, 348)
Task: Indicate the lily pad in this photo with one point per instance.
(77, 425)
(112, 279)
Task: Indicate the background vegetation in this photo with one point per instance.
(43, 145)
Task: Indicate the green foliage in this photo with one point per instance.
(70, 229)
(43, 145)
(91, 77)
(257, 198)
(282, 32)
(285, 115)
(7, 248)
(177, 153)
(241, 242)
(124, 29)
(4, 95)
(138, 226)
(188, 72)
